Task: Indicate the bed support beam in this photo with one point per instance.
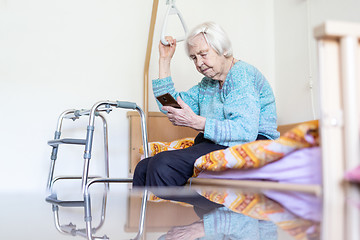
(148, 56)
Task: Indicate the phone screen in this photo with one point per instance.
(167, 100)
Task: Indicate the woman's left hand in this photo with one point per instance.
(184, 116)
(193, 231)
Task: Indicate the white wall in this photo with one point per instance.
(56, 55)
(296, 56)
(292, 64)
(249, 25)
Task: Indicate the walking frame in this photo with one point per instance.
(87, 181)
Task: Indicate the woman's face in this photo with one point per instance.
(206, 60)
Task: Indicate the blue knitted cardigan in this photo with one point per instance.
(236, 113)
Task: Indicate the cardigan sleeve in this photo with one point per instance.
(166, 85)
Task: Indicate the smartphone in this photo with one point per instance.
(168, 100)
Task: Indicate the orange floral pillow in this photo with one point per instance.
(156, 147)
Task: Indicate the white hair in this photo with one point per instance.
(214, 35)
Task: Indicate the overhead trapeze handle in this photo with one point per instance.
(172, 10)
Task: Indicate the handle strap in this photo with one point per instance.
(172, 10)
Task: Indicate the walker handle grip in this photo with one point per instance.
(127, 105)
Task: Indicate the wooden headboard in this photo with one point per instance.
(159, 129)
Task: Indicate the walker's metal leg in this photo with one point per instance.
(56, 219)
(88, 217)
(103, 209)
(139, 236)
(51, 175)
(145, 194)
(55, 148)
(106, 149)
(87, 155)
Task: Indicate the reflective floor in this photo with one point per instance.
(240, 213)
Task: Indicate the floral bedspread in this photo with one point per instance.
(249, 155)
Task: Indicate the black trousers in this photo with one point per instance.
(174, 168)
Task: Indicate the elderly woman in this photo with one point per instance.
(233, 104)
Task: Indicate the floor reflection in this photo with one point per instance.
(223, 223)
(240, 214)
(254, 215)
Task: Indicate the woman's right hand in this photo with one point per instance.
(166, 54)
(167, 51)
